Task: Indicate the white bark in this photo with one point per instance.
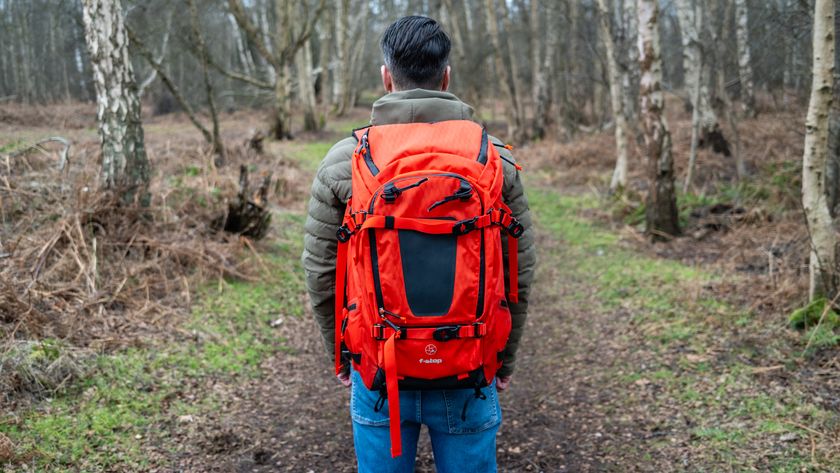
(661, 218)
(265, 31)
(744, 66)
(517, 84)
(814, 201)
(630, 75)
(245, 57)
(360, 46)
(695, 136)
(342, 53)
(501, 69)
(306, 86)
(544, 95)
(619, 177)
(534, 45)
(691, 20)
(124, 162)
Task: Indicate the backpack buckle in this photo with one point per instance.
(378, 332)
(464, 226)
(444, 334)
(515, 229)
(479, 329)
(358, 218)
(343, 234)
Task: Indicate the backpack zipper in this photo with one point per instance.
(426, 176)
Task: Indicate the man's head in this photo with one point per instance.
(416, 53)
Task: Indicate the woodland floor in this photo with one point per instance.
(631, 362)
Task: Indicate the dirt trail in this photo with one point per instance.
(295, 416)
(662, 381)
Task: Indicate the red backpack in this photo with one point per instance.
(420, 290)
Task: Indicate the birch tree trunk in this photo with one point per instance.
(544, 94)
(504, 81)
(724, 34)
(822, 266)
(306, 87)
(630, 74)
(517, 84)
(534, 35)
(695, 64)
(619, 177)
(833, 171)
(244, 54)
(661, 218)
(695, 136)
(325, 40)
(744, 66)
(351, 88)
(125, 166)
(342, 54)
(278, 54)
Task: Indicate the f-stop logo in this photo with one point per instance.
(430, 350)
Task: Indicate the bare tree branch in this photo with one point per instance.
(167, 81)
(252, 33)
(236, 75)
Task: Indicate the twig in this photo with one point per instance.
(250, 246)
(63, 155)
(804, 427)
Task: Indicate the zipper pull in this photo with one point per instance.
(463, 193)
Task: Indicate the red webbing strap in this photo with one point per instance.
(381, 332)
(340, 281)
(513, 269)
(439, 227)
(391, 388)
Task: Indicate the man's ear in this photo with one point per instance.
(444, 85)
(387, 80)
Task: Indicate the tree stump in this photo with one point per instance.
(247, 215)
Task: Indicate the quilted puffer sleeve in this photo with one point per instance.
(513, 195)
(329, 195)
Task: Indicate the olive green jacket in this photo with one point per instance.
(331, 191)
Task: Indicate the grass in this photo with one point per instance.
(732, 412)
(11, 145)
(100, 424)
(309, 155)
(821, 325)
(769, 189)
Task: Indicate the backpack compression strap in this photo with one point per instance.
(391, 387)
(340, 278)
(391, 382)
(495, 216)
(343, 237)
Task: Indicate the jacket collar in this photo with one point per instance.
(419, 106)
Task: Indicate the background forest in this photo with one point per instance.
(682, 160)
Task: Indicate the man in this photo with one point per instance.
(416, 76)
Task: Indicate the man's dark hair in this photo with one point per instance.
(416, 51)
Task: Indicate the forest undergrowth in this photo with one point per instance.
(142, 350)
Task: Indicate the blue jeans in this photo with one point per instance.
(462, 441)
